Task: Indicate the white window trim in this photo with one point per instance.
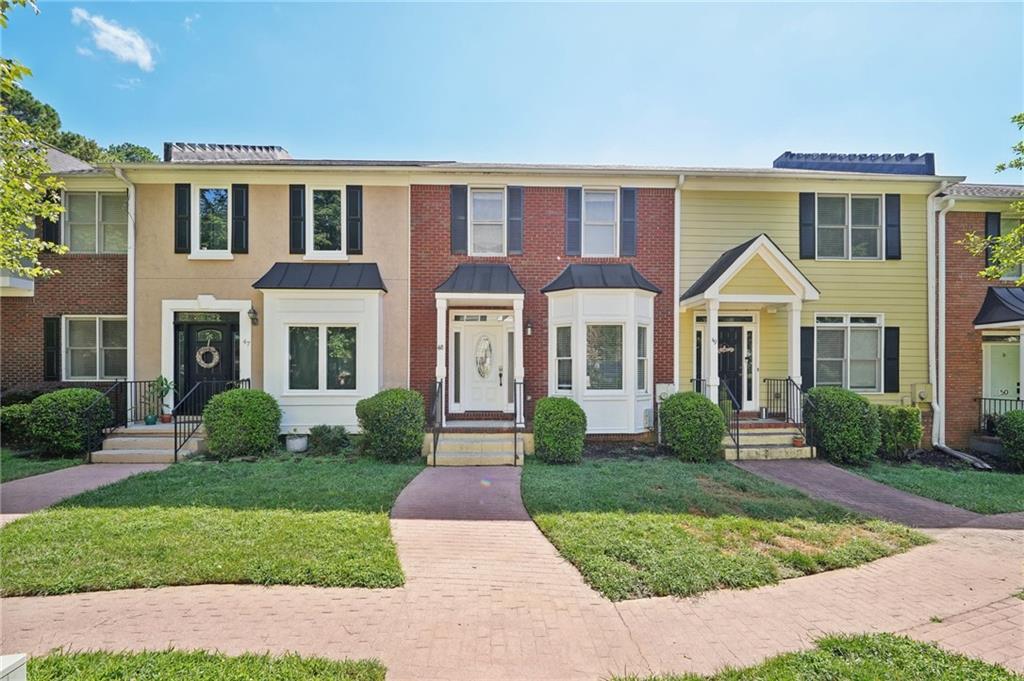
(597, 392)
(321, 359)
(848, 227)
(65, 236)
(846, 325)
(572, 360)
(197, 253)
(648, 343)
(311, 252)
(64, 363)
(504, 220)
(615, 226)
(1009, 276)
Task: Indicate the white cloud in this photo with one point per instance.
(126, 44)
(128, 83)
(84, 51)
(189, 20)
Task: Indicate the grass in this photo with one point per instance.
(197, 666)
(660, 527)
(16, 465)
(320, 522)
(860, 658)
(979, 491)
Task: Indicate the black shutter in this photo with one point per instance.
(891, 352)
(49, 230)
(354, 219)
(807, 244)
(182, 218)
(297, 218)
(807, 356)
(991, 230)
(627, 223)
(459, 235)
(515, 221)
(239, 218)
(51, 348)
(573, 221)
(893, 248)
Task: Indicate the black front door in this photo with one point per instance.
(206, 353)
(730, 360)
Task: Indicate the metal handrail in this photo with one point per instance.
(187, 424)
(94, 440)
(990, 409)
(518, 397)
(732, 417)
(788, 400)
(435, 420)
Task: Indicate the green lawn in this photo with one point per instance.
(974, 490)
(15, 465)
(197, 666)
(660, 527)
(322, 522)
(861, 658)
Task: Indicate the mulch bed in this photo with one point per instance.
(624, 450)
(937, 459)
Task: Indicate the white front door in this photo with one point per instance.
(1002, 370)
(484, 371)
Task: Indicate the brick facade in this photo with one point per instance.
(965, 292)
(542, 260)
(87, 284)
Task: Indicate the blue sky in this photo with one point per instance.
(691, 84)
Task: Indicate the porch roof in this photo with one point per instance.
(600, 276)
(1003, 306)
(481, 278)
(322, 275)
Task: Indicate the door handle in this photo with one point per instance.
(499, 376)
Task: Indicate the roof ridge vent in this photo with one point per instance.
(203, 152)
(885, 163)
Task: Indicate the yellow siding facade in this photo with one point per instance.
(714, 220)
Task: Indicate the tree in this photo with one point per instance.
(1006, 252)
(41, 117)
(126, 152)
(27, 191)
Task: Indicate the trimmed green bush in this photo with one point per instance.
(1011, 431)
(22, 395)
(14, 425)
(844, 425)
(328, 440)
(69, 421)
(900, 430)
(241, 422)
(692, 426)
(393, 423)
(559, 426)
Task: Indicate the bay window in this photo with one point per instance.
(563, 357)
(641, 359)
(321, 357)
(95, 348)
(848, 352)
(604, 356)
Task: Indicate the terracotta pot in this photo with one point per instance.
(798, 442)
(165, 418)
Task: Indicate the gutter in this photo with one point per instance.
(119, 173)
(947, 204)
(676, 257)
(934, 361)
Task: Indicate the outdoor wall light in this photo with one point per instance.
(253, 317)
(529, 328)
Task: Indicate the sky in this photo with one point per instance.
(721, 84)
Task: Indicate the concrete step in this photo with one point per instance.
(768, 452)
(476, 444)
(473, 459)
(157, 430)
(764, 437)
(133, 456)
(115, 442)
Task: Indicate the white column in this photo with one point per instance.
(711, 350)
(518, 371)
(441, 369)
(794, 341)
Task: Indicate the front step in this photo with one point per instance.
(476, 449)
(146, 444)
(766, 436)
(134, 456)
(766, 452)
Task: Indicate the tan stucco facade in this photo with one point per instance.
(162, 274)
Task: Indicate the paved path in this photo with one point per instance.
(26, 495)
(492, 600)
(462, 493)
(822, 480)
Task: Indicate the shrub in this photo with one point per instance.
(1011, 432)
(559, 426)
(14, 426)
(327, 440)
(844, 425)
(392, 422)
(241, 422)
(692, 426)
(900, 430)
(22, 395)
(69, 421)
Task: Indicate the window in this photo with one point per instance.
(599, 223)
(604, 357)
(849, 227)
(321, 357)
(641, 359)
(487, 221)
(95, 348)
(848, 352)
(325, 220)
(213, 218)
(1007, 225)
(96, 222)
(563, 357)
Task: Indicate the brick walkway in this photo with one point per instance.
(822, 480)
(493, 600)
(26, 495)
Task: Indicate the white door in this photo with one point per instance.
(485, 375)
(1002, 370)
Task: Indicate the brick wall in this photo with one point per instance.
(965, 291)
(87, 284)
(542, 260)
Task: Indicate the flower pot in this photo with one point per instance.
(150, 419)
(798, 442)
(165, 418)
(297, 443)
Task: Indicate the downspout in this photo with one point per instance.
(119, 173)
(676, 258)
(947, 204)
(933, 360)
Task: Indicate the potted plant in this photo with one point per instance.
(296, 442)
(798, 440)
(158, 390)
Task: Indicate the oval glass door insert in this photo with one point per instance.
(484, 353)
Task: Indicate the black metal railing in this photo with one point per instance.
(135, 400)
(94, 437)
(730, 407)
(786, 400)
(991, 409)
(519, 417)
(436, 414)
(188, 410)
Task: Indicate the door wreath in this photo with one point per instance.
(207, 357)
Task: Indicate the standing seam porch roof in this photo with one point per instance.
(1002, 305)
(599, 276)
(481, 278)
(322, 275)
